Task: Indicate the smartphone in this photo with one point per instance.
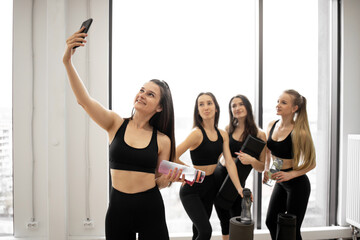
(87, 25)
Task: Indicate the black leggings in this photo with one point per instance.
(198, 201)
(142, 213)
(225, 215)
(292, 197)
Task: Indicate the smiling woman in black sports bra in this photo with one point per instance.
(290, 140)
(206, 143)
(137, 145)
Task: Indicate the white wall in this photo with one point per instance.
(59, 122)
(350, 87)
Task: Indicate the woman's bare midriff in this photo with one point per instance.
(208, 169)
(287, 163)
(131, 181)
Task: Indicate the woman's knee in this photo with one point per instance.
(270, 222)
(204, 233)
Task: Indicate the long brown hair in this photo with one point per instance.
(164, 121)
(303, 145)
(197, 118)
(250, 125)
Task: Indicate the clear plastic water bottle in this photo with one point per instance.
(191, 174)
(275, 167)
(245, 207)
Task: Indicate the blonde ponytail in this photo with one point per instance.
(303, 145)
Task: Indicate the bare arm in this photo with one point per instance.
(102, 116)
(267, 155)
(230, 164)
(192, 141)
(260, 165)
(161, 180)
(164, 154)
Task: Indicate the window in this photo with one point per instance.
(199, 46)
(297, 56)
(6, 188)
(195, 46)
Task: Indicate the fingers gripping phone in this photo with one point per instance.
(87, 25)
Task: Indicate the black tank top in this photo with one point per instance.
(125, 157)
(243, 170)
(281, 149)
(208, 152)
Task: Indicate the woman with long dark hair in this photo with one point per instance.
(289, 139)
(137, 145)
(241, 124)
(206, 143)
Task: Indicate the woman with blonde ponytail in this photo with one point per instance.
(290, 140)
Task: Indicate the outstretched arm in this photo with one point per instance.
(102, 116)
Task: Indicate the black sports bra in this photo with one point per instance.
(208, 152)
(234, 145)
(282, 149)
(124, 157)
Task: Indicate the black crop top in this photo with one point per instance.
(124, 157)
(282, 149)
(234, 145)
(208, 152)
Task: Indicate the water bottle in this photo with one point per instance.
(191, 174)
(245, 207)
(276, 167)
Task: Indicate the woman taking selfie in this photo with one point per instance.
(137, 145)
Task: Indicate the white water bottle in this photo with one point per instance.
(191, 174)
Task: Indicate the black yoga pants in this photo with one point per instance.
(141, 213)
(198, 201)
(225, 215)
(292, 197)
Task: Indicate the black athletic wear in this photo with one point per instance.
(291, 197)
(124, 157)
(198, 201)
(234, 146)
(141, 213)
(208, 152)
(281, 149)
(199, 198)
(225, 215)
(220, 174)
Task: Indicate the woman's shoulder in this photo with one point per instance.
(271, 123)
(261, 134)
(196, 133)
(117, 122)
(163, 139)
(224, 134)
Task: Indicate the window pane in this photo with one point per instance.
(296, 55)
(6, 186)
(195, 46)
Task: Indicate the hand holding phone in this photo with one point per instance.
(87, 25)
